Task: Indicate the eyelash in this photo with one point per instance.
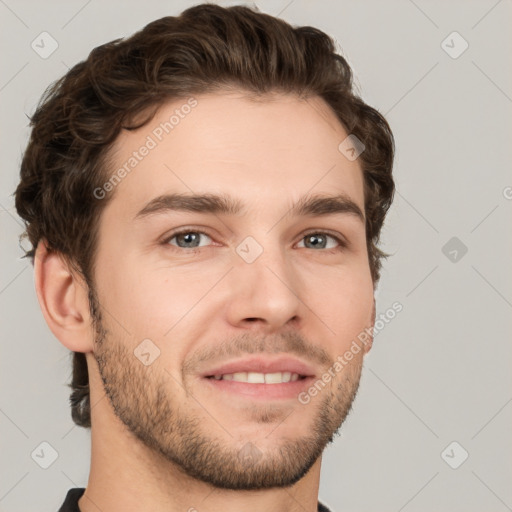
(342, 244)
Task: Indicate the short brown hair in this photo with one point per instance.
(207, 48)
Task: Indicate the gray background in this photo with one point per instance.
(440, 371)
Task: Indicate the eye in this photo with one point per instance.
(191, 239)
(319, 239)
(186, 239)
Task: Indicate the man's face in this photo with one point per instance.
(268, 284)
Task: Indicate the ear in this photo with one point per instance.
(369, 342)
(63, 299)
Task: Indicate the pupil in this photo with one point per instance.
(189, 237)
(314, 239)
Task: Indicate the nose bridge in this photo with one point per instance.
(263, 282)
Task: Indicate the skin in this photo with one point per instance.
(160, 436)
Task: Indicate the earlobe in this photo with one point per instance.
(63, 299)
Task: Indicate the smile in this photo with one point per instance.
(260, 378)
(259, 386)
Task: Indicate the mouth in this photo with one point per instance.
(259, 378)
(260, 386)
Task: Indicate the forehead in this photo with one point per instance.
(273, 149)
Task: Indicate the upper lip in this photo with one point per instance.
(262, 365)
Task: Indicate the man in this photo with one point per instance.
(204, 200)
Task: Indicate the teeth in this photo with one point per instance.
(273, 378)
(259, 378)
(255, 378)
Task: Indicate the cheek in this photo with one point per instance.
(151, 301)
(344, 306)
(127, 295)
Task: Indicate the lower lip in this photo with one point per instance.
(285, 390)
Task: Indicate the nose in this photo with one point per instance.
(264, 294)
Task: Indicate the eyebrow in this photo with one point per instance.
(308, 205)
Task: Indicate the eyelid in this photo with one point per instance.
(342, 241)
(179, 231)
(334, 234)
